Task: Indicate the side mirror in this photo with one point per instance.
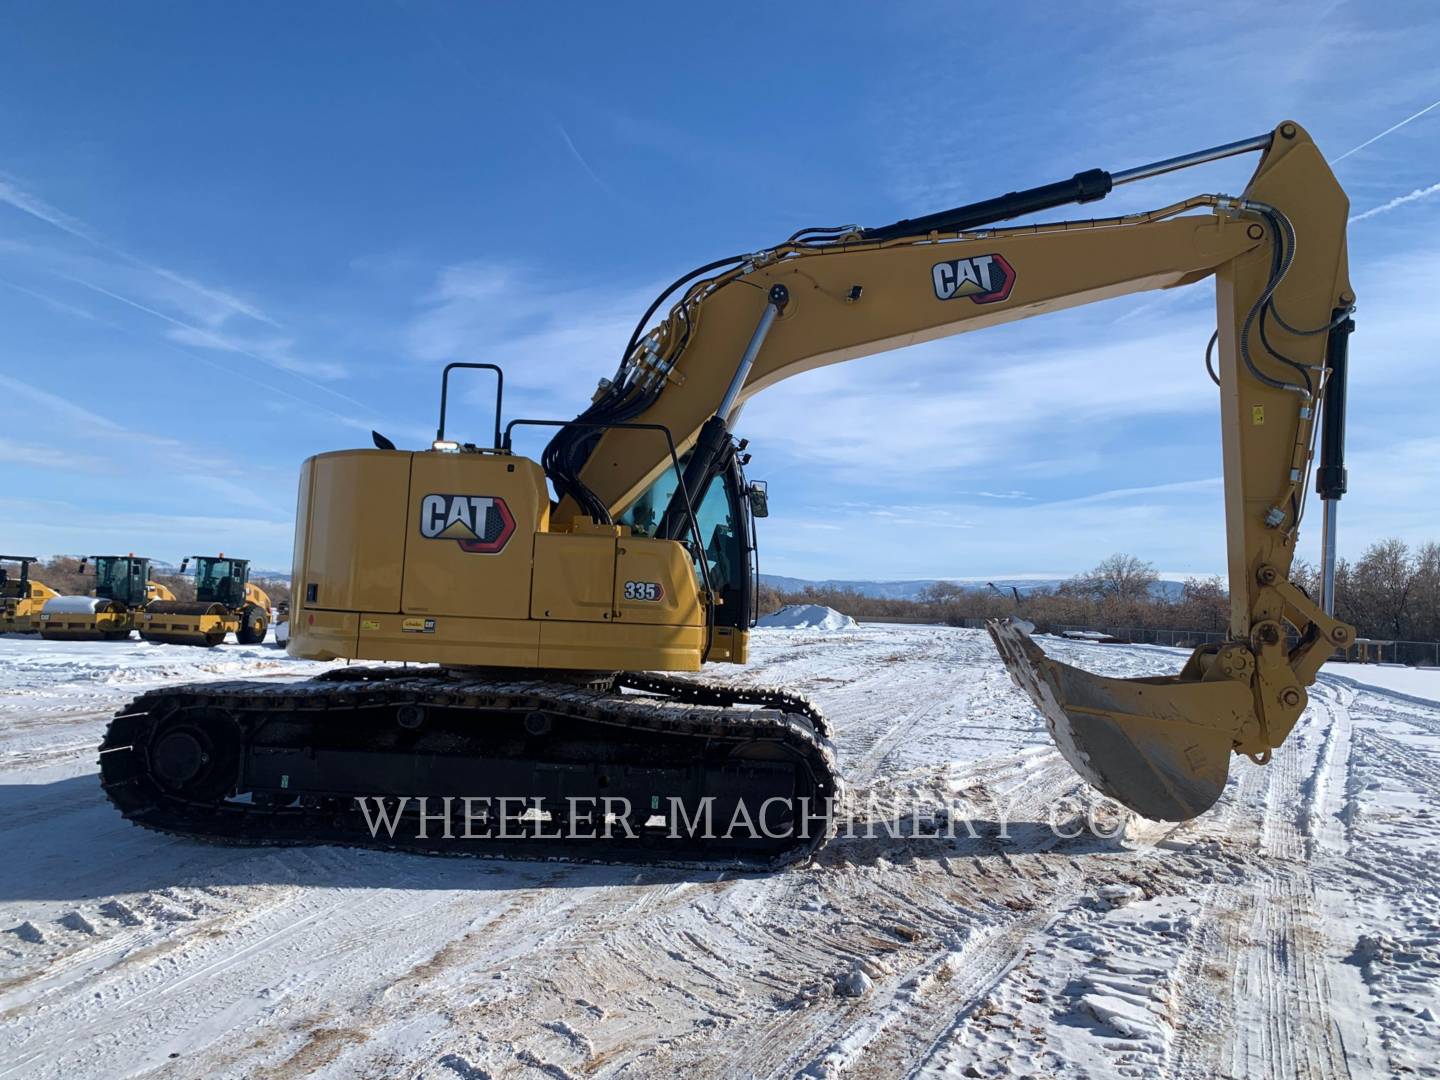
(184, 563)
(759, 499)
(81, 568)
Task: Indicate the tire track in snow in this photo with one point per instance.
(1268, 938)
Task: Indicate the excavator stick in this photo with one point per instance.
(1159, 746)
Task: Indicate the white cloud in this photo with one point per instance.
(12, 194)
(27, 202)
(164, 467)
(965, 402)
(553, 343)
(84, 419)
(1173, 525)
(275, 352)
(62, 527)
(1397, 202)
(52, 457)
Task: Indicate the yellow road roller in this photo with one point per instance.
(225, 602)
(21, 597)
(122, 589)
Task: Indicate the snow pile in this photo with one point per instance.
(808, 617)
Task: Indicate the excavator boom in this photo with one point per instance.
(1277, 255)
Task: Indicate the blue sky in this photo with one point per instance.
(235, 235)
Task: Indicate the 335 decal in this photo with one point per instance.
(649, 591)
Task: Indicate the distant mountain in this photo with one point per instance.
(884, 590)
(160, 566)
(912, 590)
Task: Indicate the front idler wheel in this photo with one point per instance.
(195, 754)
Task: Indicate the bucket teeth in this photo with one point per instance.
(1160, 746)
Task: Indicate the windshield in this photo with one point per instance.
(723, 518)
(219, 580)
(121, 579)
(109, 572)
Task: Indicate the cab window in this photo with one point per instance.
(723, 555)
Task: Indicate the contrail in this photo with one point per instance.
(579, 157)
(1382, 135)
(1399, 200)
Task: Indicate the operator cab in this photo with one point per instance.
(219, 580)
(11, 586)
(121, 578)
(725, 513)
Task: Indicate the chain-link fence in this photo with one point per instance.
(1364, 651)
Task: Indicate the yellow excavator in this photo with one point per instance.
(22, 598)
(122, 589)
(226, 601)
(546, 625)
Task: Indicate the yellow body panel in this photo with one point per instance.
(574, 578)
(351, 535)
(21, 614)
(206, 623)
(199, 623)
(444, 639)
(327, 635)
(196, 628)
(450, 558)
(592, 647)
(641, 561)
(729, 645)
(110, 622)
(441, 577)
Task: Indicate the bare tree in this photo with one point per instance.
(1204, 605)
(1119, 577)
(1380, 589)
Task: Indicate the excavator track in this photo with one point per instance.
(507, 769)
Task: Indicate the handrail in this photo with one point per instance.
(445, 387)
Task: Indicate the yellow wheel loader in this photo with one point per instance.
(226, 602)
(21, 597)
(122, 589)
(544, 723)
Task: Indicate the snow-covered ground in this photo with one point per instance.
(1292, 931)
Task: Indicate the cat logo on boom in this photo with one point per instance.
(985, 279)
(481, 524)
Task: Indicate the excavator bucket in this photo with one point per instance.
(1160, 746)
